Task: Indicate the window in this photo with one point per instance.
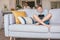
(38, 1)
(31, 3)
(17, 2)
(18, 6)
(55, 5)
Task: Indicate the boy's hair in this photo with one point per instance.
(39, 5)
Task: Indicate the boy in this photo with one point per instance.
(42, 17)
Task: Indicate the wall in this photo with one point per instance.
(46, 4)
(1, 17)
(2, 3)
(9, 3)
(54, 0)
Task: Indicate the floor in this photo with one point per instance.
(2, 37)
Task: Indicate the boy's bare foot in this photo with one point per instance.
(44, 25)
(37, 23)
(48, 26)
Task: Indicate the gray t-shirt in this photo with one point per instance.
(45, 12)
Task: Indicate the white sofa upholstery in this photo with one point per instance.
(28, 28)
(32, 30)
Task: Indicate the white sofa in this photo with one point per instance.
(31, 30)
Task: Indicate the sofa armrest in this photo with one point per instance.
(6, 24)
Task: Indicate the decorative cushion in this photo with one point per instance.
(18, 13)
(26, 20)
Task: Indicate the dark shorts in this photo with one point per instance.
(41, 17)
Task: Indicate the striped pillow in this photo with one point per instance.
(26, 20)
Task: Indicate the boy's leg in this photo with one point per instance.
(47, 17)
(39, 20)
(42, 21)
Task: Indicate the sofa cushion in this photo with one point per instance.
(55, 15)
(28, 28)
(55, 28)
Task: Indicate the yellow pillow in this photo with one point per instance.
(17, 14)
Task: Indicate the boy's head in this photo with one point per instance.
(39, 8)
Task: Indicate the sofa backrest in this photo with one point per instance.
(29, 12)
(55, 15)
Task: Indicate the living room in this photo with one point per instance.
(28, 32)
